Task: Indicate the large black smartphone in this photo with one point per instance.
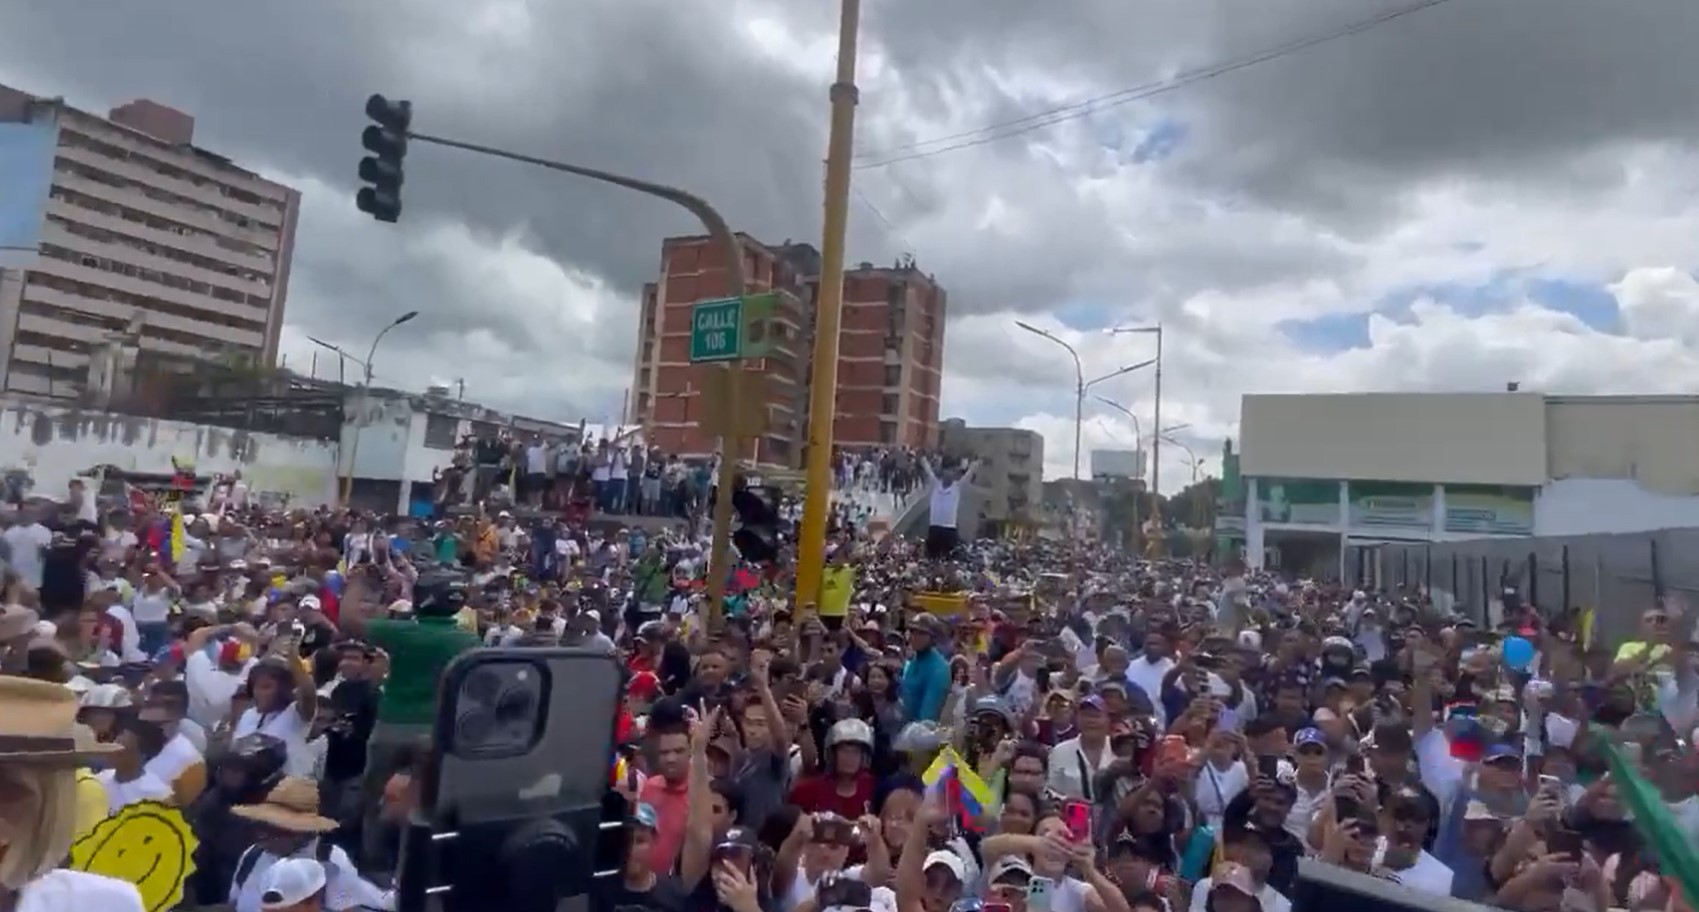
(517, 810)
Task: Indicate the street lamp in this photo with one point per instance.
(342, 358)
(1156, 446)
(1138, 435)
(1081, 385)
(365, 394)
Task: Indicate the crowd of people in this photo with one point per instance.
(1036, 726)
(615, 475)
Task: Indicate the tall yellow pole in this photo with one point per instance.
(823, 394)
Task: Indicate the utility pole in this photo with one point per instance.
(823, 394)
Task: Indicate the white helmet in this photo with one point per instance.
(850, 731)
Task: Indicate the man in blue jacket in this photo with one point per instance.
(926, 675)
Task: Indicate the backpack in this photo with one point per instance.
(251, 856)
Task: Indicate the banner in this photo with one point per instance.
(837, 584)
(1298, 500)
(1391, 505)
(1489, 510)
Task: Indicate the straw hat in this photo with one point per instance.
(292, 805)
(16, 621)
(38, 725)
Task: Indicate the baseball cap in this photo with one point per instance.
(1009, 866)
(1500, 751)
(1094, 701)
(292, 881)
(645, 816)
(1233, 876)
(947, 859)
(1309, 736)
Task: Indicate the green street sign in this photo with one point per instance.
(716, 330)
(727, 329)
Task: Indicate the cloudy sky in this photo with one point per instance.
(1472, 193)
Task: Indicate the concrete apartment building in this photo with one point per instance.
(142, 233)
(890, 352)
(1008, 486)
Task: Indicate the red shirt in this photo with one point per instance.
(818, 794)
(672, 806)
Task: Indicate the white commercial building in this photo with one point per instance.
(1330, 477)
(137, 231)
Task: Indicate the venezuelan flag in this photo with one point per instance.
(950, 778)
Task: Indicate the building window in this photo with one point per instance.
(887, 432)
(888, 404)
(440, 431)
(893, 374)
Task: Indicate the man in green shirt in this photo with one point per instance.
(420, 649)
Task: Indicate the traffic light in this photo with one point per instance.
(757, 509)
(386, 139)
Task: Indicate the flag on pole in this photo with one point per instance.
(950, 778)
(1677, 860)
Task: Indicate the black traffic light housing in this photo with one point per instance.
(757, 509)
(386, 139)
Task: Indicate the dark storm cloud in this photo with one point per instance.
(1510, 88)
(640, 86)
(669, 90)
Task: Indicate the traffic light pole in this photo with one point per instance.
(823, 394)
(719, 564)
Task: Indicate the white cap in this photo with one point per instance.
(949, 860)
(309, 603)
(290, 882)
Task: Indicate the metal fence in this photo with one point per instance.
(239, 397)
(1619, 576)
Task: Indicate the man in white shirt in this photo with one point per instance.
(295, 833)
(1076, 763)
(84, 503)
(27, 543)
(1404, 820)
(1148, 671)
(946, 501)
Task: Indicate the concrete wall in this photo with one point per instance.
(1651, 440)
(1478, 438)
(54, 444)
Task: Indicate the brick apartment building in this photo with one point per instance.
(890, 357)
(890, 353)
(667, 390)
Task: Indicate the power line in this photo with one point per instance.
(1077, 110)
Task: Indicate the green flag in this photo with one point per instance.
(1677, 860)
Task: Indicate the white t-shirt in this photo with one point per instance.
(344, 887)
(287, 726)
(118, 543)
(57, 891)
(1215, 788)
(1428, 874)
(120, 795)
(210, 688)
(179, 754)
(86, 509)
(27, 544)
(946, 501)
(152, 607)
(130, 648)
(1148, 676)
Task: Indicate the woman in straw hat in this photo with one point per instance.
(41, 748)
(289, 825)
